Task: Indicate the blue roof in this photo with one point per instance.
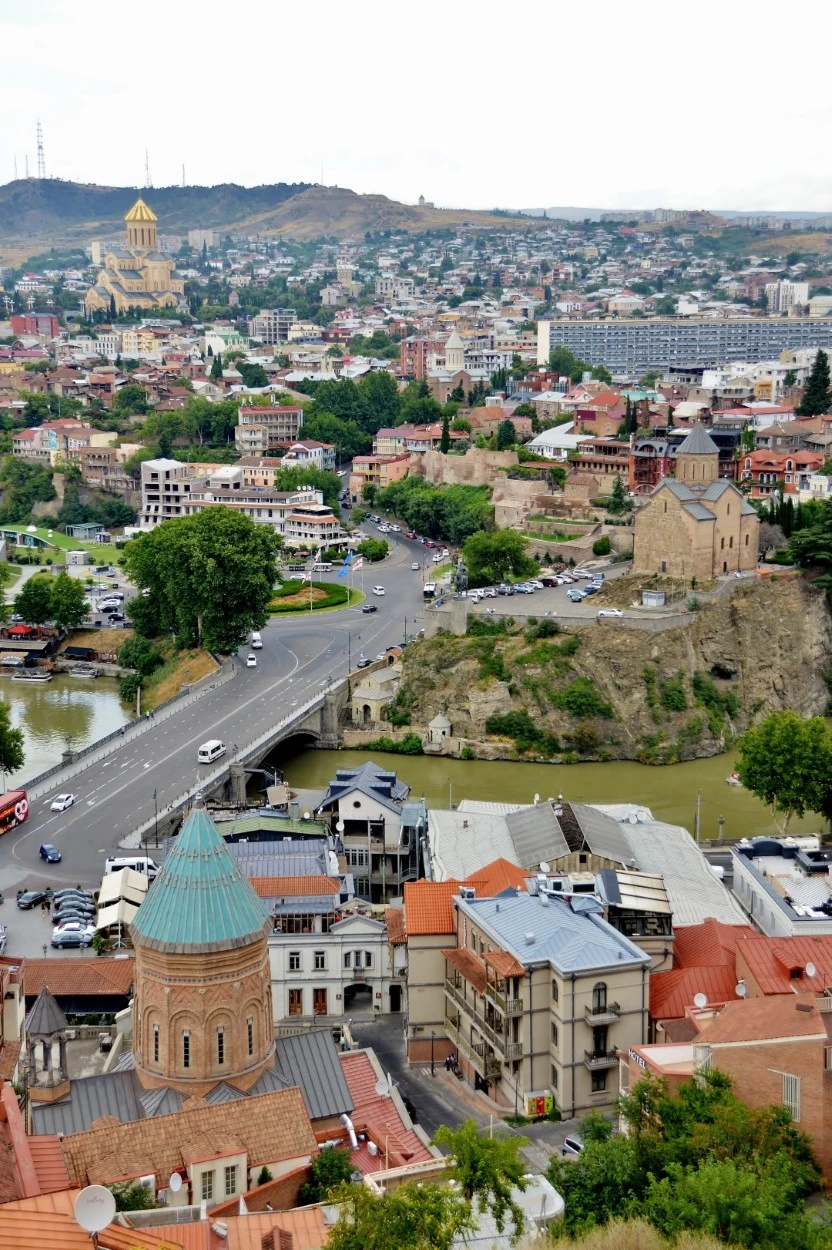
(535, 932)
(201, 899)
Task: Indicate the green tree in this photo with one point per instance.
(330, 1169)
(618, 498)
(506, 435)
(811, 548)
(210, 576)
(67, 601)
(410, 1217)
(380, 395)
(253, 375)
(601, 546)
(12, 754)
(487, 1169)
(369, 492)
(492, 557)
(131, 399)
(445, 441)
(216, 369)
(789, 377)
(34, 602)
(787, 762)
(602, 374)
(817, 396)
(133, 1197)
(373, 549)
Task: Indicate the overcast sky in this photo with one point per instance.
(479, 105)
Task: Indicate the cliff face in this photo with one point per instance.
(611, 693)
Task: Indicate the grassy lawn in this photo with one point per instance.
(326, 597)
(182, 668)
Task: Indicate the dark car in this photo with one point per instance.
(364, 662)
(81, 918)
(30, 899)
(116, 616)
(71, 892)
(369, 607)
(411, 536)
(71, 939)
(50, 853)
(591, 589)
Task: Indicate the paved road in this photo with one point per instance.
(117, 794)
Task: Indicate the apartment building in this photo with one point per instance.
(785, 885)
(414, 353)
(54, 440)
(393, 289)
(632, 347)
(310, 454)
(541, 994)
(261, 428)
(406, 438)
(272, 325)
(44, 325)
(378, 471)
(782, 296)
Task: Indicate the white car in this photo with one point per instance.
(397, 529)
(534, 582)
(415, 566)
(251, 661)
(378, 590)
(61, 802)
(609, 612)
(74, 926)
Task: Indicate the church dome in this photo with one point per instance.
(140, 212)
(201, 901)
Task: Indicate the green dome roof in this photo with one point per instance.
(201, 900)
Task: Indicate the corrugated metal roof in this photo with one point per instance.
(699, 512)
(310, 1061)
(201, 899)
(90, 1098)
(536, 834)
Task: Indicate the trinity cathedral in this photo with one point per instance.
(139, 276)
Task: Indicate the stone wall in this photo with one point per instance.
(476, 468)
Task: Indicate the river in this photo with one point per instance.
(79, 708)
(670, 792)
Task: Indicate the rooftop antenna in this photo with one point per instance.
(183, 173)
(148, 182)
(27, 166)
(41, 157)
(15, 167)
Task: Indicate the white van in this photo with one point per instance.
(138, 863)
(256, 641)
(210, 751)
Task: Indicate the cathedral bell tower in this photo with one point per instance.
(141, 227)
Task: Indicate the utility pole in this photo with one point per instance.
(41, 157)
(147, 179)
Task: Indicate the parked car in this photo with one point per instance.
(29, 899)
(84, 907)
(523, 588)
(415, 566)
(363, 662)
(429, 542)
(50, 853)
(538, 585)
(82, 919)
(72, 892)
(61, 802)
(74, 926)
(572, 1146)
(397, 529)
(3, 939)
(369, 607)
(117, 617)
(68, 940)
(410, 535)
(591, 589)
(378, 590)
(609, 612)
(489, 592)
(251, 660)
(576, 595)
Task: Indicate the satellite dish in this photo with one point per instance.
(340, 826)
(811, 970)
(95, 1208)
(382, 1088)
(740, 989)
(307, 816)
(700, 1000)
(632, 818)
(544, 867)
(175, 1183)
(537, 798)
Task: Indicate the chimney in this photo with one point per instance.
(529, 938)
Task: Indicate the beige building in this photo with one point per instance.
(259, 428)
(375, 693)
(139, 276)
(696, 524)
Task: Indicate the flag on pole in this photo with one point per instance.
(358, 564)
(345, 567)
(305, 578)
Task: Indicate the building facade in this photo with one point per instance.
(272, 325)
(261, 428)
(139, 275)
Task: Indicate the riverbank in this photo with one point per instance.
(671, 792)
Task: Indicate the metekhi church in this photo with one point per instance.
(140, 276)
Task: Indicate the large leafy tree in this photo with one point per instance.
(68, 602)
(34, 602)
(492, 557)
(487, 1170)
(506, 435)
(11, 742)
(811, 546)
(787, 762)
(210, 576)
(817, 396)
(410, 1217)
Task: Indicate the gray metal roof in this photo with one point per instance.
(115, 1094)
(536, 931)
(679, 489)
(371, 780)
(715, 490)
(698, 443)
(699, 512)
(310, 1061)
(223, 1093)
(45, 1017)
(536, 835)
(748, 509)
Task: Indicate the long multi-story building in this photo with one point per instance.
(632, 347)
(271, 325)
(261, 428)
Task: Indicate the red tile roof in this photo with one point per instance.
(428, 907)
(49, 1163)
(497, 876)
(759, 1019)
(707, 944)
(378, 1116)
(294, 887)
(77, 976)
(504, 965)
(672, 993)
(468, 965)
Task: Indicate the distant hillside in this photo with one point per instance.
(35, 214)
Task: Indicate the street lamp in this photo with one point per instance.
(721, 823)
(156, 819)
(432, 1039)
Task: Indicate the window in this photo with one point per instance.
(250, 1033)
(554, 1081)
(155, 1043)
(368, 959)
(320, 961)
(599, 997)
(294, 961)
(554, 1034)
(721, 543)
(791, 1095)
(295, 1002)
(555, 991)
(220, 1045)
(207, 1186)
(599, 1082)
(356, 959)
(746, 540)
(731, 541)
(230, 1180)
(186, 1049)
(347, 959)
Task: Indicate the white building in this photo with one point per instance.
(335, 972)
(395, 289)
(272, 325)
(782, 296)
(555, 444)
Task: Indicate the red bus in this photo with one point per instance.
(14, 809)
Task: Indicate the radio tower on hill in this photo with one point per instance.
(148, 181)
(41, 157)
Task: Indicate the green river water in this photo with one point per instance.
(670, 792)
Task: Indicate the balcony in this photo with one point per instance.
(509, 1006)
(486, 1064)
(602, 1059)
(608, 1014)
(454, 992)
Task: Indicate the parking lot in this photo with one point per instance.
(550, 600)
(29, 933)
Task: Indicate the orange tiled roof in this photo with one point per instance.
(672, 993)
(499, 875)
(48, 1223)
(770, 961)
(428, 907)
(378, 1116)
(271, 1127)
(294, 887)
(504, 964)
(467, 963)
(707, 944)
(49, 1163)
(759, 1019)
(77, 976)
(396, 928)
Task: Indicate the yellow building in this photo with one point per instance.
(140, 276)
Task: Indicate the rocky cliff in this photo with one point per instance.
(603, 692)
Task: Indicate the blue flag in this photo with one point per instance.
(345, 567)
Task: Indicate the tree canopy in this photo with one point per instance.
(487, 1170)
(409, 1217)
(210, 576)
(34, 600)
(450, 512)
(12, 753)
(787, 762)
(67, 601)
(817, 397)
(492, 557)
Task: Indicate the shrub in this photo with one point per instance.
(129, 687)
(411, 744)
(580, 699)
(673, 695)
(541, 629)
(601, 546)
(521, 727)
(468, 753)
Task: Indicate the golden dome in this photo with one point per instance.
(140, 212)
